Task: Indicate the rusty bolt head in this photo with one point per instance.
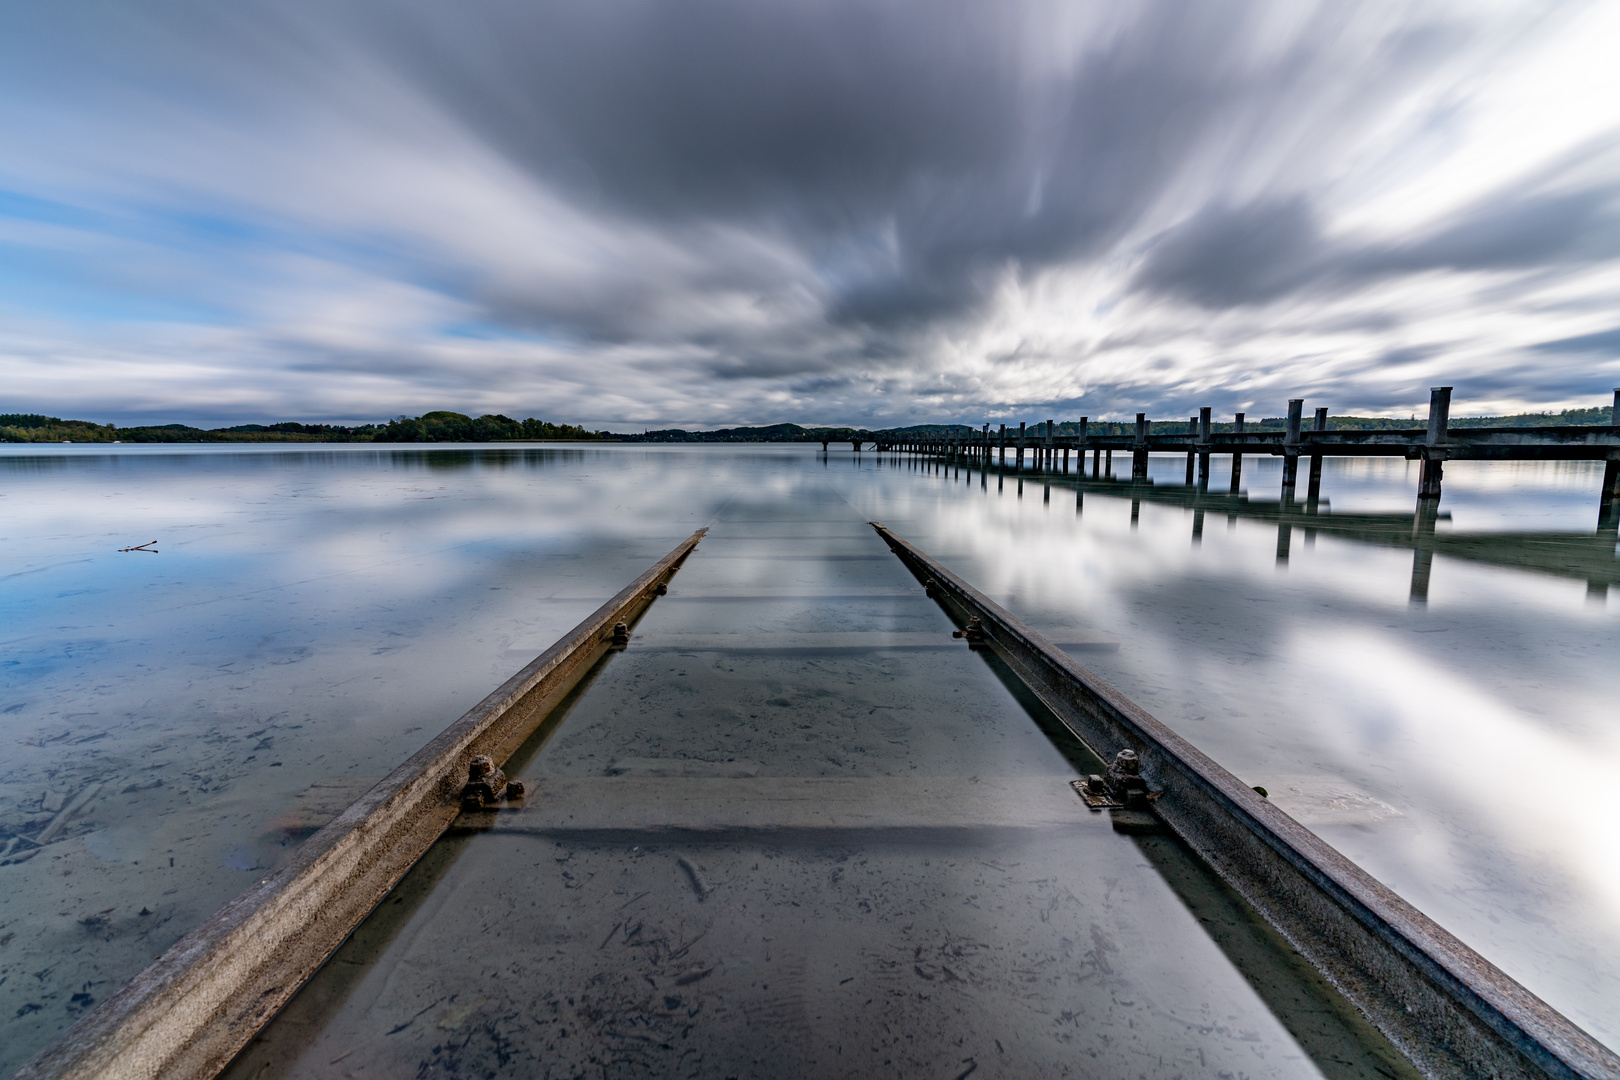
(480, 767)
(1126, 761)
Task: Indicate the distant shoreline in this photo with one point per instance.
(447, 428)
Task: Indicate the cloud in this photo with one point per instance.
(1604, 341)
(721, 212)
(1229, 256)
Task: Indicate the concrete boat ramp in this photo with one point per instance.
(828, 826)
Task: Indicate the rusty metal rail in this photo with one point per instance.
(1448, 1009)
(189, 1013)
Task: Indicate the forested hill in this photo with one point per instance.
(32, 427)
(431, 427)
(454, 427)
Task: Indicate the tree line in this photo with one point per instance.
(442, 426)
(430, 427)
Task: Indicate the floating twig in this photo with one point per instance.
(142, 547)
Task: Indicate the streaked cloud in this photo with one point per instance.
(716, 212)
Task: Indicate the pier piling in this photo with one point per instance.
(1609, 500)
(1296, 407)
(1203, 448)
(1237, 455)
(1313, 490)
(1434, 449)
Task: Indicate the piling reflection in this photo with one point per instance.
(1588, 557)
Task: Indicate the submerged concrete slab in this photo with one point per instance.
(768, 803)
(1068, 640)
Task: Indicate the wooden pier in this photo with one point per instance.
(1433, 445)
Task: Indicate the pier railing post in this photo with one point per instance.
(1192, 452)
(1609, 501)
(1018, 462)
(1296, 407)
(1237, 455)
(1313, 490)
(1004, 444)
(1434, 445)
(1203, 448)
(1139, 455)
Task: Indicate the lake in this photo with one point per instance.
(176, 721)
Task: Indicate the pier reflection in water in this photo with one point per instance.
(335, 608)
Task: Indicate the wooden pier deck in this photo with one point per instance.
(1433, 445)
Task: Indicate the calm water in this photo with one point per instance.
(312, 616)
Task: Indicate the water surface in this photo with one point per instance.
(313, 615)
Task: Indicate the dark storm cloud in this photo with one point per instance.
(909, 151)
(1227, 256)
(1605, 341)
(1516, 233)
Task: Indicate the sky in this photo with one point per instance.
(696, 213)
